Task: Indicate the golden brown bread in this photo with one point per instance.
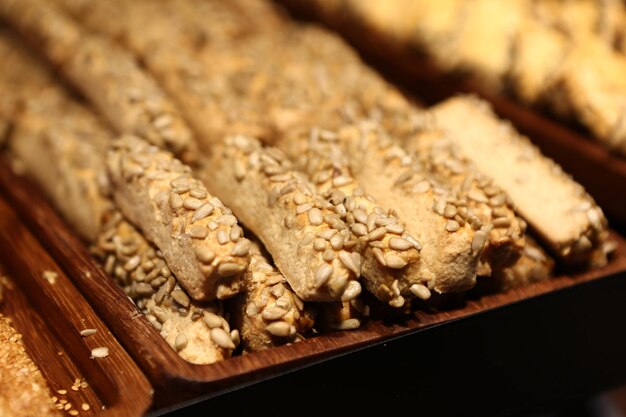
(49, 125)
(566, 219)
(199, 237)
(283, 209)
(139, 268)
(104, 72)
(451, 246)
(269, 313)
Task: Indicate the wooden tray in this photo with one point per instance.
(175, 380)
(594, 166)
(50, 315)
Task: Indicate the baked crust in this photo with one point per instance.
(556, 207)
(282, 208)
(199, 237)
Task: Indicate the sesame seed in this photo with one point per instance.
(395, 228)
(180, 342)
(236, 232)
(328, 255)
(228, 269)
(50, 276)
(143, 288)
(394, 261)
(341, 180)
(62, 391)
(241, 248)
(452, 226)
(322, 275)
(198, 232)
(319, 244)
(360, 216)
(347, 261)
(479, 240)
(251, 310)
(498, 200)
(352, 291)
(273, 313)
(378, 254)
(203, 211)
(191, 203)
(181, 298)
(376, 234)
(73, 412)
(397, 243)
(348, 324)
(85, 407)
(420, 291)
(397, 301)
(501, 222)
(359, 229)
(88, 332)
(176, 201)
(315, 216)
(222, 237)
(449, 211)
(100, 352)
(336, 242)
(204, 254)
(198, 193)
(327, 234)
(303, 208)
(221, 338)
(280, 329)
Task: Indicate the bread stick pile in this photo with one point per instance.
(248, 181)
(566, 55)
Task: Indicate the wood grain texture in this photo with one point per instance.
(590, 163)
(50, 315)
(176, 380)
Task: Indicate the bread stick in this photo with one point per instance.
(451, 246)
(104, 72)
(199, 237)
(565, 217)
(488, 203)
(139, 268)
(390, 266)
(269, 313)
(282, 208)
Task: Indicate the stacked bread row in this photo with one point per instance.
(564, 55)
(187, 129)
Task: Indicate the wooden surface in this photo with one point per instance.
(50, 316)
(600, 171)
(177, 380)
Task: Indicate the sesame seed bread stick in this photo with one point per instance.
(488, 204)
(104, 72)
(269, 313)
(23, 390)
(451, 250)
(274, 201)
(52, 126)
(390, 266)
(345, 315)
(538, 55)
(533, 266)
(139, 268)
(558, 209)
(592, 79)
(199, 237)
(266, 85)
